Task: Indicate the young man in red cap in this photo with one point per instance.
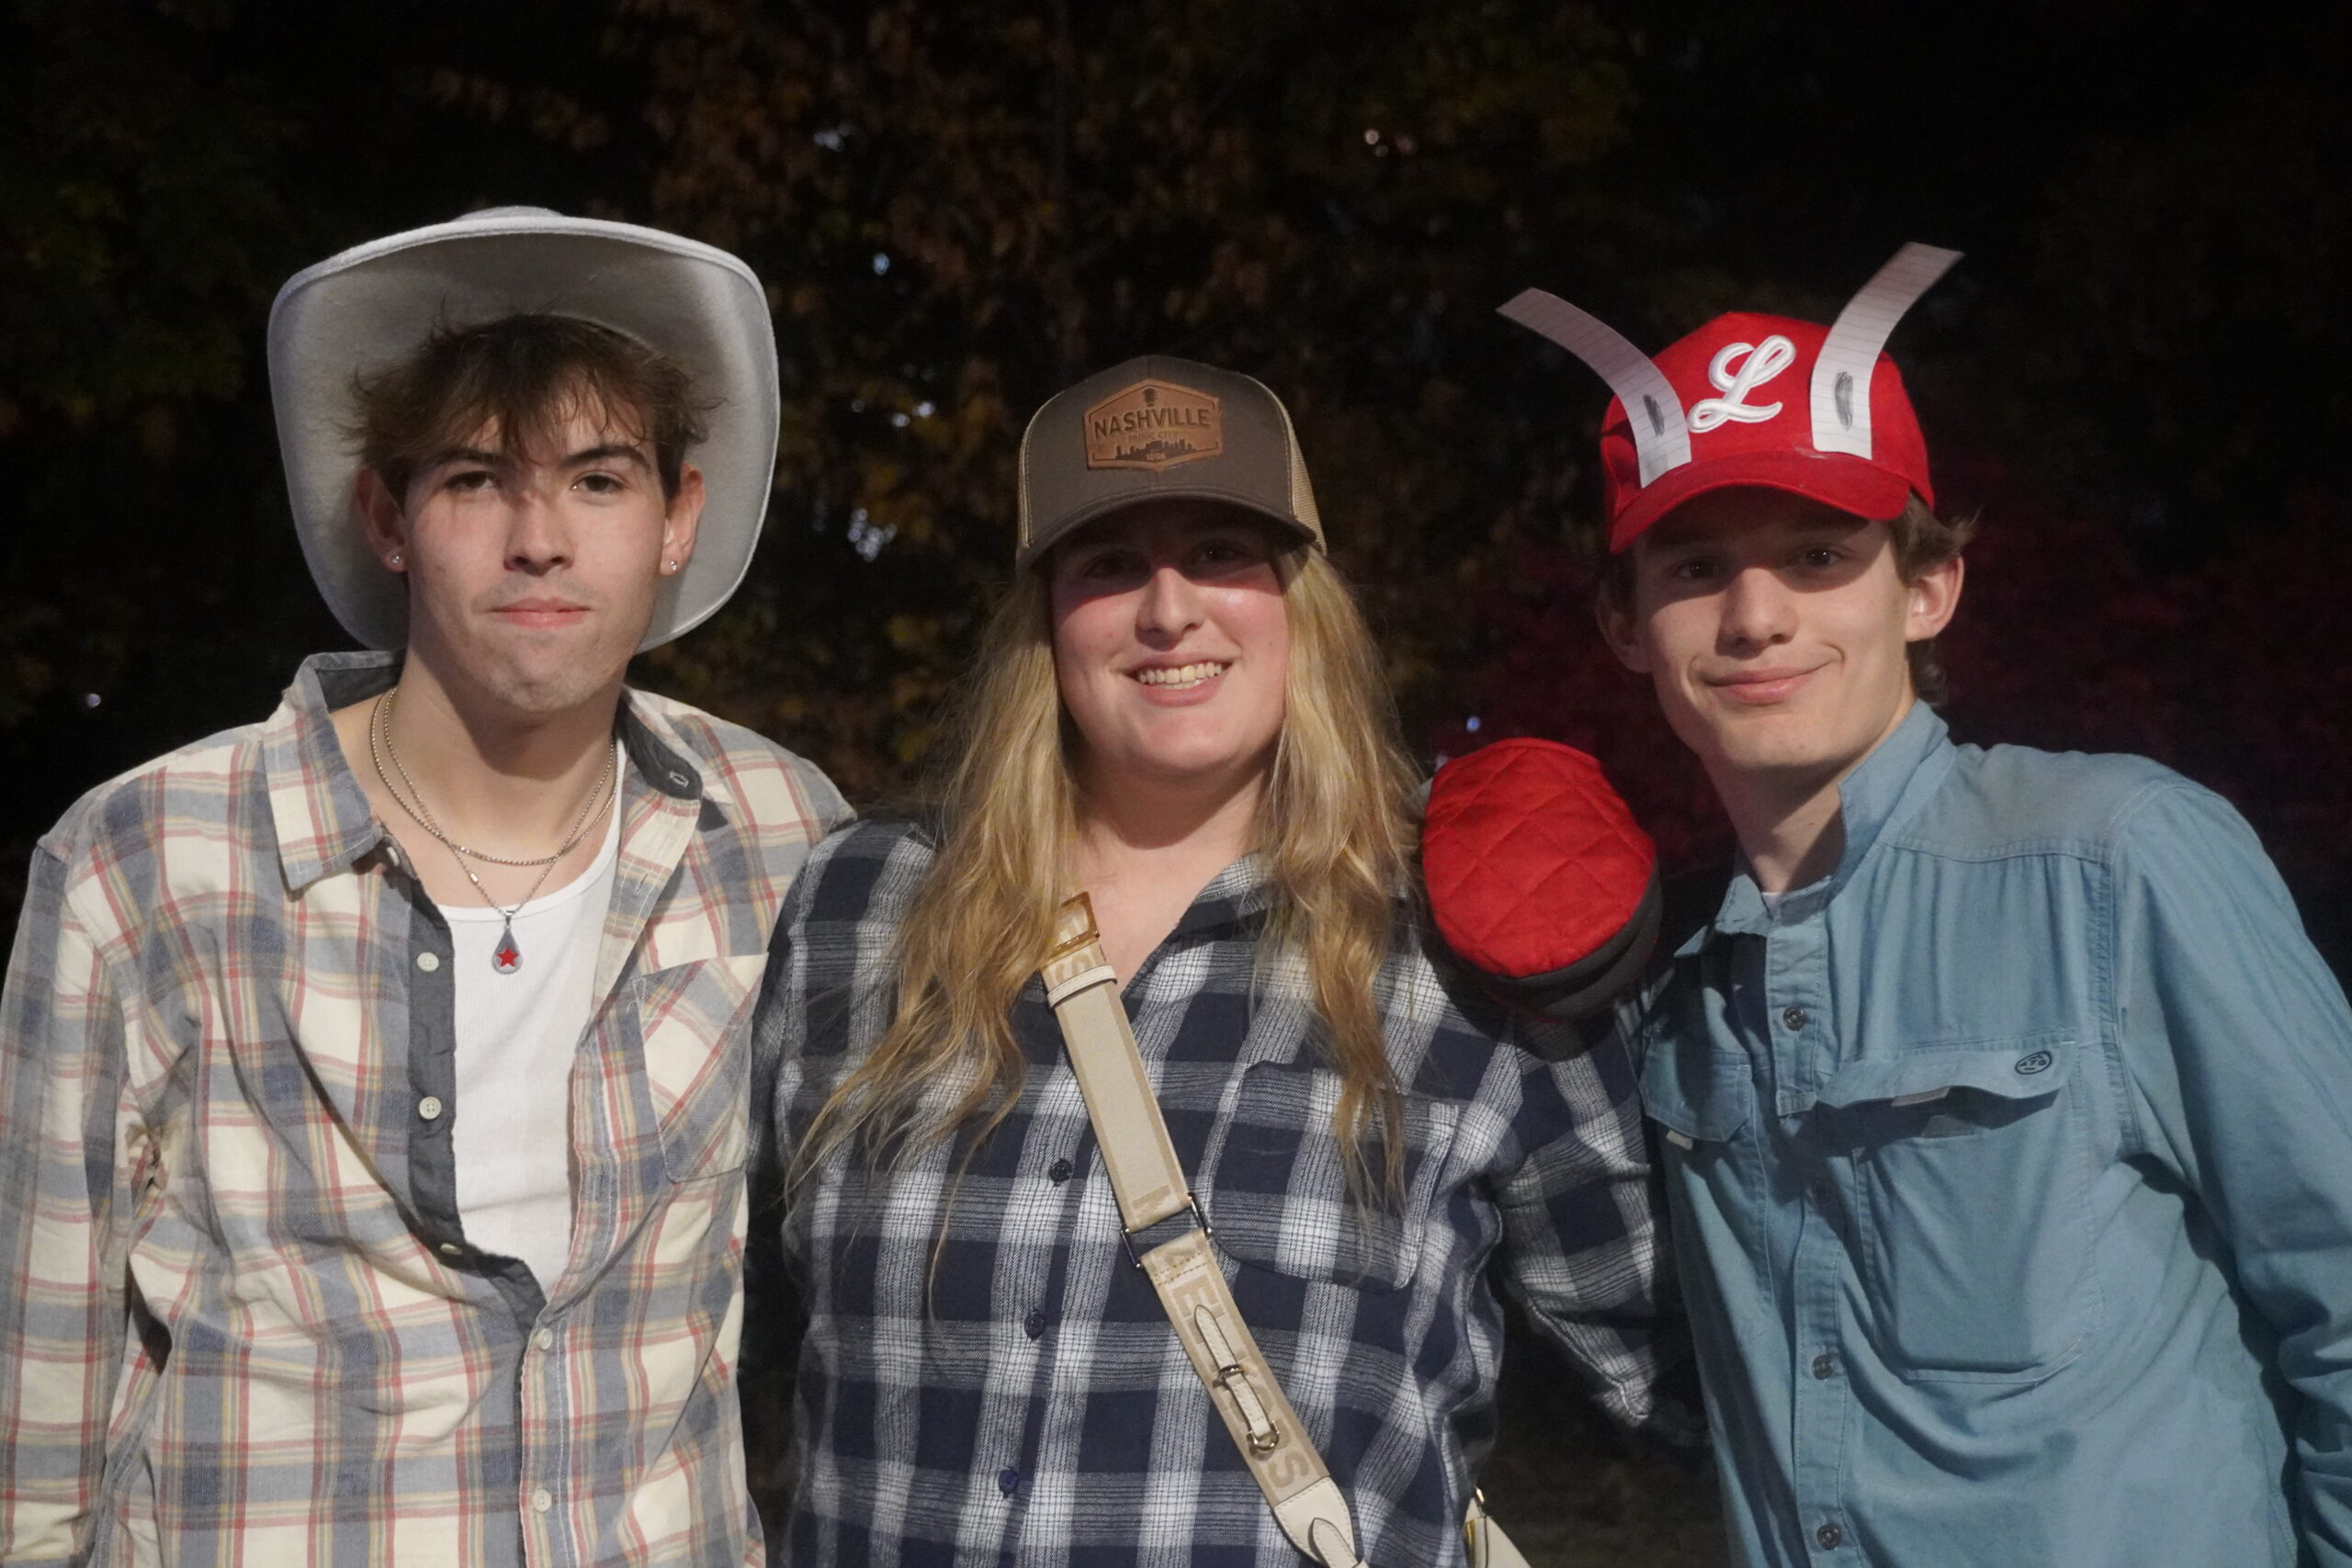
(2006, 1110)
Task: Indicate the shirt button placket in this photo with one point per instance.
(1821, 1394)
(1823, 1390)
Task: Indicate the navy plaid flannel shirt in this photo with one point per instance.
(984, 1377)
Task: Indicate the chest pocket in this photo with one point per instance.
(1970, 1175)
(1696, 1094)
(1276, 1187)
(1701, 1101)
(695, 1021)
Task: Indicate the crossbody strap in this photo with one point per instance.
(1150, 1185)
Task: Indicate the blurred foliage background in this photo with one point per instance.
(2139, 376)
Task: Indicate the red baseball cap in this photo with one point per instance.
(1759, 400)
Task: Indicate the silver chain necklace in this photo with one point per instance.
(507, 956)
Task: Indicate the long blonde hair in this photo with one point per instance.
(1336, 825)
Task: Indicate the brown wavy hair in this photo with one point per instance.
(1337, 825)
(522, 375)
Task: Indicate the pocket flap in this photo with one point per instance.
(2025, 1068)
(693, 1020)
(1276, 1189)
(1688, 1088)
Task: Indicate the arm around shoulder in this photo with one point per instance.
(1584, 1243)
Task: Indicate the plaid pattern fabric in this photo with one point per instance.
(241, 1322)
(984, 1376)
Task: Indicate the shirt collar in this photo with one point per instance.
(1244, 889)
(322, 818)
(655, 752)
(1885, 790)
(321, 814)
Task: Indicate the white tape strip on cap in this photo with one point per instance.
(1661, 434)
(1841, 377)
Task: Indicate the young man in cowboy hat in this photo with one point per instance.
(2004, 1103)
(372, 1079)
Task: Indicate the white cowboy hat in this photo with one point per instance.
(353, 314)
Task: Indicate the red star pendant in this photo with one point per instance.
(508, 957)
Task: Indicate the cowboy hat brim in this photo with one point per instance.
(355, 313)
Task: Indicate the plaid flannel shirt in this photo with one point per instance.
(984, 1378)
(241, 1322)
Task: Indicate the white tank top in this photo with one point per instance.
(516, 1036)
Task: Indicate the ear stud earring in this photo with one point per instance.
(396, 557)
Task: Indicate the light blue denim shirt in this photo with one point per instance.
(2011, 1172)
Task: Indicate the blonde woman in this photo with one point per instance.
(1177, 710)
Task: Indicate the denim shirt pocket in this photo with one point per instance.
(1696, 1094)
(693, 1021)
(1703, 1100)
(1972, 1176)
(1276, 1188)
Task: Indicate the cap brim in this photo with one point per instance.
(355, 313)
(1839, 480)
(1070, 521)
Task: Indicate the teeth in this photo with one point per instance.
(1181, 675)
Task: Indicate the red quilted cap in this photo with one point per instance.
(1744, 380)
(1535, 867)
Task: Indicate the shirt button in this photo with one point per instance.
(1061, 1170)
(1008, 1482)
(1824, 1367)
(1794, 1017)
(451, 1249)
(1828, 1537)
(544, 1499)
(543, 1337)
(428, 961)
(1034, 1323)
(429, 1108)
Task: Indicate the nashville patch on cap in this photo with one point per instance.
(1154, 426)
(1160, 428)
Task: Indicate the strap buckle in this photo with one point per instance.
(1233, 1377)
(1199, 1218)
(1264, 1436)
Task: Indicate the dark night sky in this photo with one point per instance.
(2137, 367)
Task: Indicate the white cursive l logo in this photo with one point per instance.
(1762, 361)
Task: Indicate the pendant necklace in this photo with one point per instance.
(507, 957)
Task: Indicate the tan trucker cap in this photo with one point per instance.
(1160, 428)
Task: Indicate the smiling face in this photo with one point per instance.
(1171, 646)
(532, 575)
(1774, 630)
